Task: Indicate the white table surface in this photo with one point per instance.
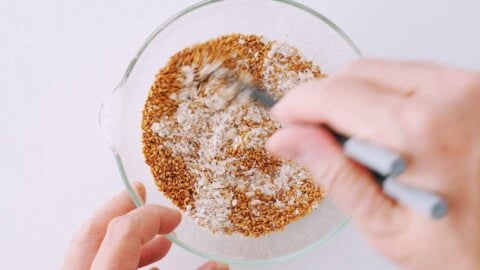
(60, 59)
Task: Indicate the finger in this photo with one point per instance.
(349, 106)
(405, 77)
(122, 246)
(86, 242)
(213, 266)
(348, 185)
(154, 250)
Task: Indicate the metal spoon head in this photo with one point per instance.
(262, 97)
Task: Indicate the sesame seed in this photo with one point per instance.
(205, 145)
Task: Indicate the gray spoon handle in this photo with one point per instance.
(378, 159)
(423, 201)
(384, 164)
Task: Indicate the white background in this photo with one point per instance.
(60, 59)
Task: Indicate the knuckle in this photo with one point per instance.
(302, 90)
(123, 225)
(469, 87)
(341, 179)
(91, 229)
(419, 120)
(353, 66)
(459, 92)
(427, 120)
(458, 85)
(331, 172)
(331, 84)
(418, 65)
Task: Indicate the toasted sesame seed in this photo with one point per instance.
(206, 149)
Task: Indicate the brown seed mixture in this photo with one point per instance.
(205, 145)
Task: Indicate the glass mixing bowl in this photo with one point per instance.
(314, 35)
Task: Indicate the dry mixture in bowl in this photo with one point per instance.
(205, 146)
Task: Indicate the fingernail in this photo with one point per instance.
(307, 150)
(277, 115)
(177, 212)
(284, 150)
(213, 266)
(221, 266)
(174, 211)
(140, 188)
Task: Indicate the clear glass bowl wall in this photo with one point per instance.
(314, 35)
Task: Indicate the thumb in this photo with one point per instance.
(348, 185)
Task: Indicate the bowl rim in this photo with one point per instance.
(131, 191)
